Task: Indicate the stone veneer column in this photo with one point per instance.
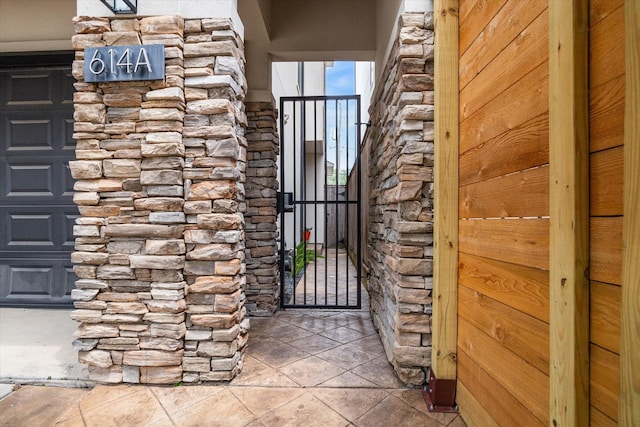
(159, 244)
(215, 168)
(401, 205)
(262, 290)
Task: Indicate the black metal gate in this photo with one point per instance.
(319, 202)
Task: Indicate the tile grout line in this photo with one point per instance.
(102, 404)
(329, 407)
(161, 405)
(385, 390)
(269, 411)
(255, 416)
(84, 422)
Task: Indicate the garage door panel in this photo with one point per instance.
(31, 88)
(63, 142)
(28, 132)
(36, 282)
(70, 216)
(30, 180)
(68, 141)
(37, 213)
(30, 280)
(66, 181)
(38, 180)
(49, 131)
(34, 231)
(67, 88)
(70, 280)
(37, 229)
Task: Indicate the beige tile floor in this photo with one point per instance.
(302, 368)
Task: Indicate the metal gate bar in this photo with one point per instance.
(306, 121)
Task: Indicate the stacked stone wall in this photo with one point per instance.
(400, 235)
(160, 188)
(262, 288)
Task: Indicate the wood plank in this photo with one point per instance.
(523, 147)
(606, 115)
(523, 288)
(606, 175)
(569, 213)
(630, 324)
(474, 17)
(521, 194)
(472, 412)
(605, 308)
(523, 101)
(465, 8)
(518, 241)
(604, 381)
(486, 401)
(522, 334)
(505, 26)
(600, 9)
(606, 48)
(598, 419)
(606, 249)
(445, 261)
(524, 382)
(486, 73)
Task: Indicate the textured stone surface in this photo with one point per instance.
(160, 375)
(211, 190)
(121, 167)
(220, 221)
(151, 158)
(214, 285)
(87, 25)
(400, 207)
(262, 150)
(86, 169)
(216, 321)
(168, 262)
(98, 358)
(162, 25)
(153, 358)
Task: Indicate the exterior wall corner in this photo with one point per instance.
(400, 242)
(160, 175)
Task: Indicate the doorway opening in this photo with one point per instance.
(319, 202)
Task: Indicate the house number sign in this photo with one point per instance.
(123, 63)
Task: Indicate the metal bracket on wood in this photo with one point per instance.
(440, 394)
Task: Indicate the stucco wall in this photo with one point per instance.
(51, 18)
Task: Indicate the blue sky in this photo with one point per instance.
(340, 79)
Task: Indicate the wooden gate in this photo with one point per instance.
(504, 332)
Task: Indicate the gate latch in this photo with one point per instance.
(285, 202)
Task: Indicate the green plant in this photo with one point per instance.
(302, 257)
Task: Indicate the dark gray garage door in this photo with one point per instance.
(36, 208)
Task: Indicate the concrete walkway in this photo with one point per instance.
(35, 346)
(302, 368)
